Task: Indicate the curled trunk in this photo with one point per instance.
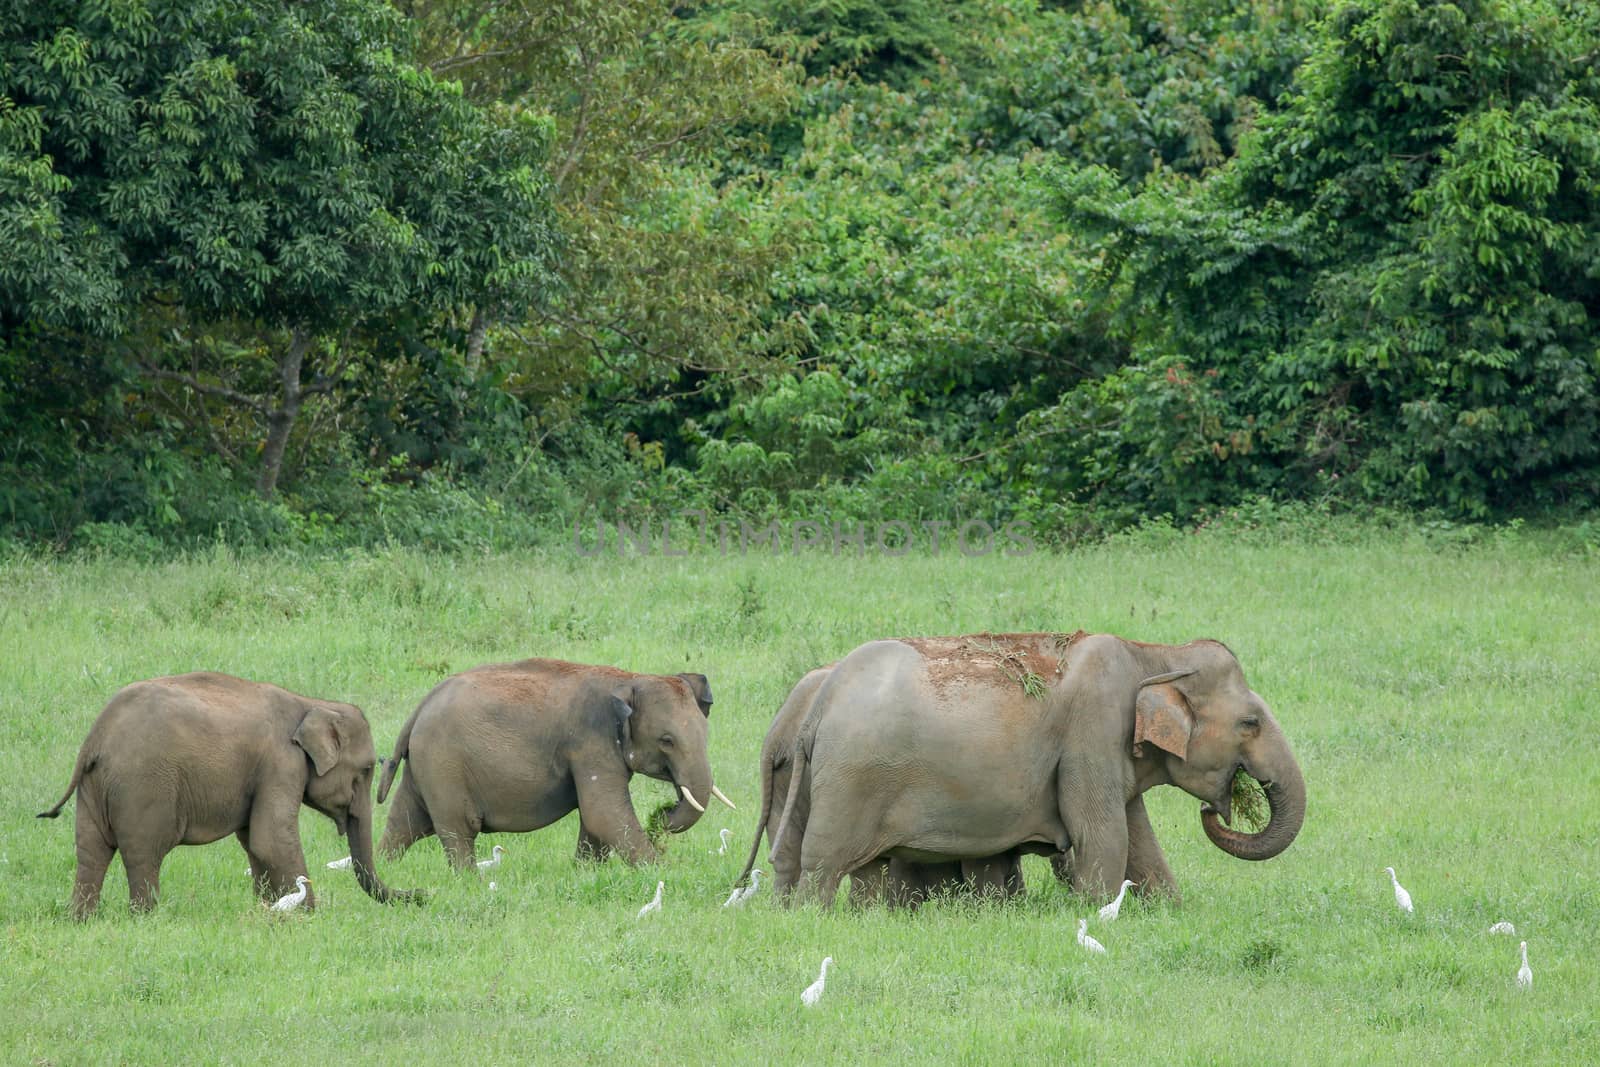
(1286, 795)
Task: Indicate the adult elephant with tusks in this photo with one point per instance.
(513, 747)
(939, 749)
(191, 759)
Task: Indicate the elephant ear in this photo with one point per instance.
(318, 734)
(622, 699)
(1161, 715)
(701, 687)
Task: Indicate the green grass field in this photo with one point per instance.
(1441, 698)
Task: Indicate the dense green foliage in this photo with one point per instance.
(1431, 721)
(1396, 280)
(461, 270)
(247, 199)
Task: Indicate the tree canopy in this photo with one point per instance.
(453, 270)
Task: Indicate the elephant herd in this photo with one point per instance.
(912, 765)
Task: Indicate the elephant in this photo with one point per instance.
(190, 759)
(939, 749)
(513, 747)
(896, 882)
(902, 883)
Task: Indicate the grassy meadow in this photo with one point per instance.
(1440, 695)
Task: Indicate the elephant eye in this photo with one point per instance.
(666, 740)
(1250, 722)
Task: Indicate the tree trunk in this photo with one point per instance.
(476, 335)
(280, 421)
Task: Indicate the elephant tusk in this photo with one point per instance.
(693, 803)
(718, 794)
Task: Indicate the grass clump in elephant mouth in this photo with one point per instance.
(655, 827)
(1251, 811)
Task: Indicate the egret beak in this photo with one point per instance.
(693, 803)
(718, 794)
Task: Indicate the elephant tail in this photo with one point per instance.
(802, 762)
(767, 761)
(402, 748)
(83, 766)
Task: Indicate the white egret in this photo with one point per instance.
(1086, 941)
(492, 887)
(813, 992)
(1524, 973)
(726, 834)
(655, 901)
(737, 898)
(1111, 910)
(1503, 928)
(342, 865)
(291, 901)
(493, 861)
(1402, 899)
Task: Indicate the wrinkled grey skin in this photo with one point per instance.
(191, 759)
(512, 747)
(895, 882)
(931, 750)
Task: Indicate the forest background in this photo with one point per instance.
(461, 273)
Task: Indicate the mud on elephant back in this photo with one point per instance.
(513, 747)
(1039, 743)
(190, 759)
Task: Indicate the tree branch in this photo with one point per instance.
(244, 399)
(580, 125)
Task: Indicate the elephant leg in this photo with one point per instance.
(144, 877)
(1015, 884)
(868, 882)
(590, 848)
(258, 866)
(95, 850)
(460, 840)
(912, 885)
(408, 820)
(827, 883)
(605, 810)
(825, 857)
(274, 845)
(786, 862)
(1147, 864)
(999, 877)
(144, 843)
(1099, 847)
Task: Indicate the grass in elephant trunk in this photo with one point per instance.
(655, 827)
(1251, 811)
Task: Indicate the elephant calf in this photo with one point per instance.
(515, 746)
(191, 759)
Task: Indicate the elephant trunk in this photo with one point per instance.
(358, 835)
(694, 793)
(1286, 795)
